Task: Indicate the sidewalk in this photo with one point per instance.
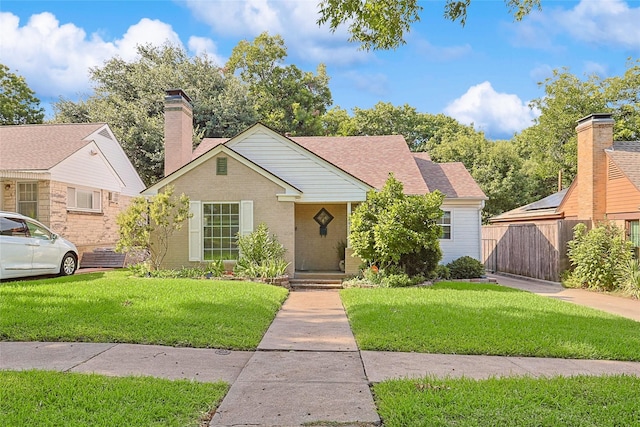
(307, 369)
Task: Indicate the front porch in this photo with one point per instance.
(317, 280)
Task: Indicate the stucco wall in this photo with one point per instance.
(315, 252)
(240, 183)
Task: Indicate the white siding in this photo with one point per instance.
(85, 169)
(119, 161)
(319, 181)
(465, 233)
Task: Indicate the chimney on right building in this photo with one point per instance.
(595, 134)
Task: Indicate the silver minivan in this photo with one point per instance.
(28, 248)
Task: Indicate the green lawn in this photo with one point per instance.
(42, 398)
(608, 401)
(113, 307)
(469, 318)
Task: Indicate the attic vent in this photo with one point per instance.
(105, 133)
(614, 171)
(221, 166)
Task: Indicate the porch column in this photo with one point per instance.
(348, 223)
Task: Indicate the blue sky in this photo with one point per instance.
(484, 73)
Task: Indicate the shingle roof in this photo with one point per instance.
(372, 158)
(369, 158)
(40, 147)
(452, 179)
(626, 156)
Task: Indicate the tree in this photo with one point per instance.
(550, 145)
(392, 229)
(147, 224)
(130, 97)
(18, 104)
(382, 24)
(287, 99)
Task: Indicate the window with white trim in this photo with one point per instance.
(28, 199)
(220, 226)
(83, 199)
(445, 223)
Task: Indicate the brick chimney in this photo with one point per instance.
(595, 133)
(178, 130)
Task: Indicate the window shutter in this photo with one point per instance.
(195, 231)
(246, 217)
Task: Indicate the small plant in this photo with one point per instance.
(629, 277)
(401, 280)
(442, 272)
(261, 255)
(465, 267)
(341, 247)
(147, 224)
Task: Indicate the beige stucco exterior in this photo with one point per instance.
(241, 183)
(313, 251)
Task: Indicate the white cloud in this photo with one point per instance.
(442, 53)
(294, 20)
(605, 23)
(376, 83)
(204, 46)
(55, 58)
(491, 111)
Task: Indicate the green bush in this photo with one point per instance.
(261, 255)
(143, 269)
(442, 272)
(400, 281)
(598, 255)
(465, 267)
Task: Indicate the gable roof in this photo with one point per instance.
(369, 158)
(41, 147)
(290, 190)
(626, 156)
(452, 179)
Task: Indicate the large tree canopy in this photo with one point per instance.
(18, 104)
(382, 24)
(130, 97)
(550, 144)
(286, 98)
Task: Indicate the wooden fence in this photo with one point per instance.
(531, 250)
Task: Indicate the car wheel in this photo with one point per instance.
(69, 265)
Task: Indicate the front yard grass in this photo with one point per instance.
(113, 307)
(574, 401)
(43, 398)
(470, 318)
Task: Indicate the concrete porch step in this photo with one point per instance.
(301, 284)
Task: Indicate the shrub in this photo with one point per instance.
(392, 229)
(143, 269)
(465, 267)
(401, 280)
(598, 256)
(442, 272)
(261, 255)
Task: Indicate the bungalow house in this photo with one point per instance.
(303, 188)
(607, 187)
(74, 178)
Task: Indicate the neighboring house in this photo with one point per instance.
(303, 188)
(531, 240)
(74, 178)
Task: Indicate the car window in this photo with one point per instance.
(13, 227)
(38, 232)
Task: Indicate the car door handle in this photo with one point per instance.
(33, 244)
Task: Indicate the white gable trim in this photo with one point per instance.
(88, 167)
(319, 179)
(290, 190)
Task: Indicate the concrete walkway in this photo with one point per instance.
(621, 306)
(307, 369)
